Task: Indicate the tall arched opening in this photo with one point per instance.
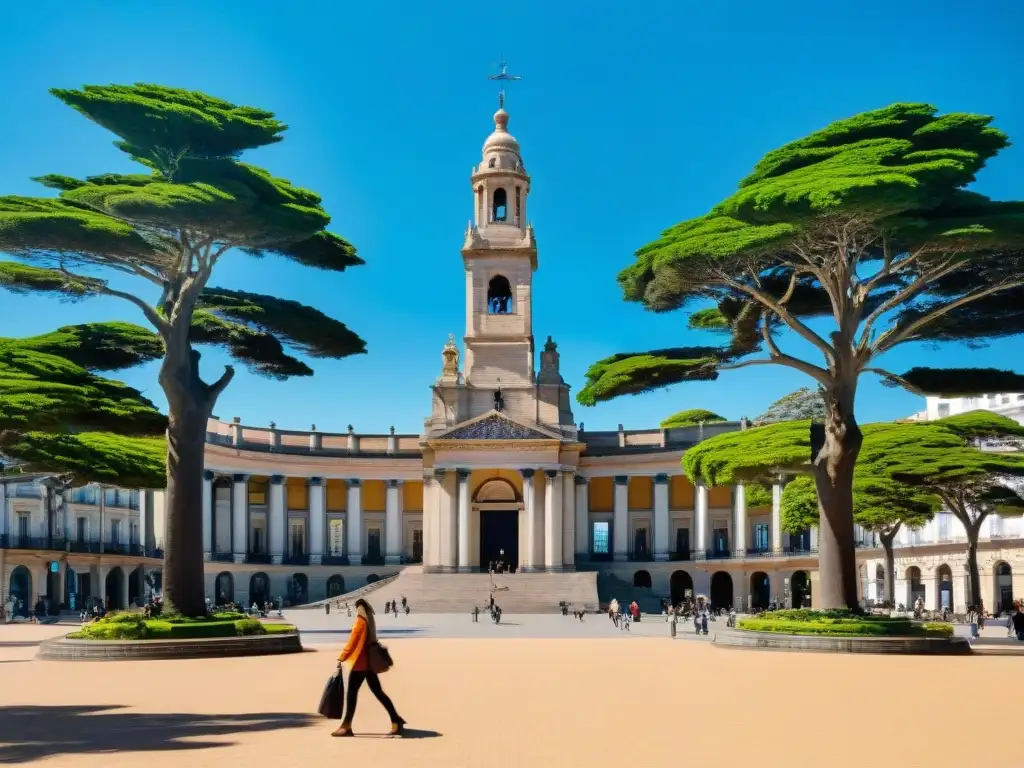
(21, 590)
(259, 589)
(944, 579)
(800, 589)
(113, 585)
(721, 590)
(336, 585)
(915, 588)
(760, 590)
(224, 588)
(1004, 587)
(298, 591)
(680, 587)
(642, 579)
(499, 296)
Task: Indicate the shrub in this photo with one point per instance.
(250, 627)
(849, 626)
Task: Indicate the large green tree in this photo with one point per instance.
(906, 472)
(169, 226)
(856, 239)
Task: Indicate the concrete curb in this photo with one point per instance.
(918, 646)
(64, 649)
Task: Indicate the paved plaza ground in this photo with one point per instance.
(536, 691)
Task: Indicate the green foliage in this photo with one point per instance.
(959, 382)
(749, 455)
(875, 206)
(804, 404)
(93, 457)
(863, 626)
(134, 626)
(757, 495)
(691, 418)
(42, 389)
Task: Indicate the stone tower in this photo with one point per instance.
(499, 254)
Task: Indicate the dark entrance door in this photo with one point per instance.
(499, 530)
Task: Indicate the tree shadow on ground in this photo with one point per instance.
(30, 733)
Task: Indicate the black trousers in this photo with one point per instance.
(355, 682)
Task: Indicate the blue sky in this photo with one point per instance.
(630, 117)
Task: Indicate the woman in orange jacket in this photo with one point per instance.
(357, 655)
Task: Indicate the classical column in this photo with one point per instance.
(239, 517)
(463, 519)
(700, 522)
(740, 523)
(815, 589)
(207, 513)
(553, 520)
(814, 538)
(317, 513)
(582, 519)
(393, 523)
(568, 519)
(620, 519)
(526, 522)
(777, 517)
(275, 520)
(355, 522)
(661, 518)
(99, 589)
(125, 576)
(3, 522)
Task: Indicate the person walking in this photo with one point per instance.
(358, 654)
(672, 619)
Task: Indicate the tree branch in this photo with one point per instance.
(813, 371)
(221, 384)
(894, 336)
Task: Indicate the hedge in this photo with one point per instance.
(135, 626)
(841, 624)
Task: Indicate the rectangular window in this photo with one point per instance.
(943, 410)
(133, 534)
(761, 537)
(601, 538)
(417, 545)
(115, 532)
(83, 530)
(518, 207)
(298, 540)
(336, 538)
(373, 543)
(23, 527)
(683, 543)
(720, 540)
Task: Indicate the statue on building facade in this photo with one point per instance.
(450, 359)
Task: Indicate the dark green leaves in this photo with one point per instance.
(632, 374)
(957, 382)
(691, 418)
(93, 457)
(156, 118)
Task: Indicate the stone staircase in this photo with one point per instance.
(611, 587)
(355, 594)
(459, 592)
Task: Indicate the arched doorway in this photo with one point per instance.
(800, 589)
(944, 579)
(373, 577)
(224, 589)
(642, 579)
(336, 585)
(298, 591)
(1004, 587)
(137, 586)
(721, 590)
(680, 587)
(259, 589)
(21, 590)
(760, 590)
(499, 528)
(71, 598)
(915, 588)
(115, 578)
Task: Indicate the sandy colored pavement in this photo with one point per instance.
(643, 702)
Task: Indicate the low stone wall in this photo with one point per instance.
(64, 649)
(930, 646)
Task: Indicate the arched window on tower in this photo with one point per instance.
(499, 296)
(499, 208)
(480, 205)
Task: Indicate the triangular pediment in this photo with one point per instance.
(496, 426)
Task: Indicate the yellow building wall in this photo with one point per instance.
(297, 493)
(681, 493)
(337, 495)
(412, 496)
(641, 493)
(374, 496)
(602, 494)
(720, 496)
(480, 476)
(259, 489)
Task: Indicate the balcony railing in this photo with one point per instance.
(60, 544)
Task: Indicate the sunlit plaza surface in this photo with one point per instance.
(535, 690)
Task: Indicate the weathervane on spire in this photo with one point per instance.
(503, 76)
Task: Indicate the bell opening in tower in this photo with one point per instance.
(499, 296)
(499, 207)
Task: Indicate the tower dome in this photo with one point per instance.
(501, 150)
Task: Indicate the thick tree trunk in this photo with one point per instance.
(890, 569)
(190, 404)
(833, 479)
(972, 565)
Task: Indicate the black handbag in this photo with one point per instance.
(331, 702)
